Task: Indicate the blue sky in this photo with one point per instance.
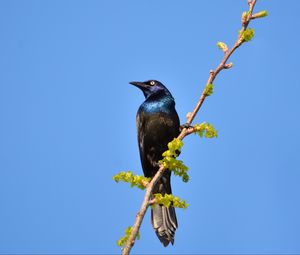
(67, 118)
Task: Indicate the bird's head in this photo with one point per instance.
(151, 87)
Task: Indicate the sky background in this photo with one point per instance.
(67, 124)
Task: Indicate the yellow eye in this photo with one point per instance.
(152, 83)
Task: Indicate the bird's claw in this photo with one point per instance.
(184, 126)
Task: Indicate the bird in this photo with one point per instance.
(157, 124)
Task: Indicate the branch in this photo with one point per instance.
(187, 130)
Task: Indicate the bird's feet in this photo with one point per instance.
(184, 126)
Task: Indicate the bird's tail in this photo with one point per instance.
(164, 222)
(163, 218)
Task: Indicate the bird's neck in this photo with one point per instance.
(158, 103)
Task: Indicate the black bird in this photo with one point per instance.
(157, 124)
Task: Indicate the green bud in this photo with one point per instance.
(222, 46)
(209, 89)
(247, 35)
(261, 14)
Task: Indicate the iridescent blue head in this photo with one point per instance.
(152, 87)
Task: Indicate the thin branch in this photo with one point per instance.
(188, 130)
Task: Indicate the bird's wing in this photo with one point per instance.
(154, 133)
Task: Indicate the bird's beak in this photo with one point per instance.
(138, 84)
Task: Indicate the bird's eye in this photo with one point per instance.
(152, 83)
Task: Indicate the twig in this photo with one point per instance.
(187, 131)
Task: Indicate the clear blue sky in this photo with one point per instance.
(67, 124)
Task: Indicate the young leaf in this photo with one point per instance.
(205, 129)
(222, 46)
(134, 180)
(122, 241)
(260, 14)
(209, 89)
(168, 200)
(169, 159)
(247, 35)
